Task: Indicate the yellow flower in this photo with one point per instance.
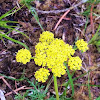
(53, 55)
(41, 47)
(58, 70)
(23, 56)
(69, 51)
(58, 52)
(75, 63)
(82, 45)
(46, 36)
(40, 56)
(42, 75)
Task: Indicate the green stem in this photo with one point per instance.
(33, 57)
(75, 47)
(95, 37)
(89, 86)
(56, 87)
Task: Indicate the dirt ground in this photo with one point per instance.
(69, 29)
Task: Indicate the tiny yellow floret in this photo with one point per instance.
(69, 51)
(75, 63)
(58, 70)
(42, 75)
(40, 56)
(82, 45)
(23, 56)
(46, 36)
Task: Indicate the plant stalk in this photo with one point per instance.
(56, 87)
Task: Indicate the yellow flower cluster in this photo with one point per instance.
(23, 56)
(75, 63)
(57, 53)
(52, 52)
(58, 70)
(69, 51)
(82, 45)
(46, 36)
(42, 75)
(40, 56)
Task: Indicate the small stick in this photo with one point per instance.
(59, 11)
(15, 90)
(67, 13)
(61, 19)
(18, 89)
(15, 84)
(1, 77)
(8, 85)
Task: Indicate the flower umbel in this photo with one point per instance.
(69, 51)
(82, 45)
(58, 70)
(42, 75)
(75, 63)
(23, 56)
(46, 36)
(40, 56)
(53, 55)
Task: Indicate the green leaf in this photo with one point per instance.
(16, 41)
(97, 43)
(10, 27)
(71, 81)
(95, 37)
(8, 77)
(9, 12)
(98, 98)
(34, 13)
(89, 90)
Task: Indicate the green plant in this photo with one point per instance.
(57, 62)
(4, 24)
(32, 10)
(96, 39)
(87, 11)
(90, 11)
(37, 93)
(53, 54)
(25, 1)
(98, 98)
(34, 13)
(19, 97)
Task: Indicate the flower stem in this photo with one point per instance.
(33, 57)
(56, 87)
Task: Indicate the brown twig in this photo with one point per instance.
(15, 84)
(1, 77)
(18, 89)
(61, 19)
(6, 82)
(15, 90)
(57, 11)
(67, 13)
(51, 11)
(89, 57)
(8, 85)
